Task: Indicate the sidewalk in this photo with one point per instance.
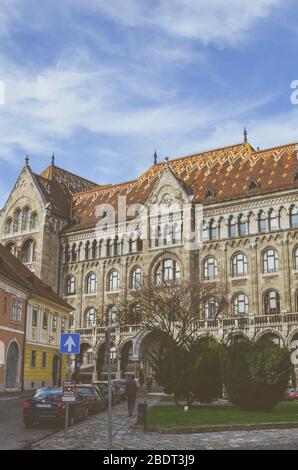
(92, 435)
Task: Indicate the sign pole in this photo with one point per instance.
(108, 357)
(66, 416)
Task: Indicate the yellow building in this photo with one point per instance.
(47, 318)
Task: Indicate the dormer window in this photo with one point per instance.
(253, 185)
(209, 193)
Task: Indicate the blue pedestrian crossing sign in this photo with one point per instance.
(70, 343)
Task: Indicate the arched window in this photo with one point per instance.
(34, 221)
(74, 253)
(67, 254)
(294, 217)
(210, 309)
(270, 261)
(91, 283)
(112, 315)
(167, 270)
(243, 225)
(17, 220)
(240, 305)
(12, 248)
(232, 227)
(90, 317)
(213, 230)
(88, 250)
(8, 226)
(263, 222)
(26, 218)
(95, 251)
(273, 220)
(296, 258)
(205, 230)
(113, 281)
(70, 285)
(135, 315)
(136, 277)
(271, 302)
(210, 268)
(239, 265)
(29, 252)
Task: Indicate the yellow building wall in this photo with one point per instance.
(38, 373)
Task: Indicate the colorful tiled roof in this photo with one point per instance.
(13, 269)
(73, 183)
(214, 176)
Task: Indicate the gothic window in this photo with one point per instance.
(273, 220)
(90, 317)
(270, 261)
(210, 309)
(91, 283)
(294, 217)
(113, 281)
(232, 227)
(271, 302)
(296, 258)
(26, 218)
(88, 250)
(205, 234)
(213, 230)
(95, 249)
(210, 268)
(243, 225)
(167, 270)
(12, 248)
(263, 222)
(74, 253)
(8, 226)
(240, 305)
(29, 252)
(136, 277)
(112, 315)
(17, 220)
(71, 285)
(34, 221)
(135, 314)
(239, 265)
(67, 254)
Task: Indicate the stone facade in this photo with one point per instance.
(248, 243)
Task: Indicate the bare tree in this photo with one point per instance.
(171, 309)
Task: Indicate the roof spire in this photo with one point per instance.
(27, 160)
(155, 157)
(245, 135)
(53, 159)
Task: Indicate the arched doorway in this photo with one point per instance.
(56, 371)
(151, 344)
(12, 366)
(127, 365)
(101, 365)
(274, 338)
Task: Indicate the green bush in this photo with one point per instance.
(256, 375)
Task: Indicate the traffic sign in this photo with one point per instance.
(69, 392)
(70, 343)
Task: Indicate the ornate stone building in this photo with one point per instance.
(246, 201)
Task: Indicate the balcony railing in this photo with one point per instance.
(208, 325)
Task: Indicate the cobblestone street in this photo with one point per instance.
(92, 434)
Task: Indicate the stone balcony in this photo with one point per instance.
(252, 326)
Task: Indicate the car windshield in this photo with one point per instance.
(85, 391)
(48, 393)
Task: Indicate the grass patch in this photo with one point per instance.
(167, 398)
(174, 416)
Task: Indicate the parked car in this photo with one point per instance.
(120, 385)
(95, 399)
(103, 387)
(47, 405)
(293, 394)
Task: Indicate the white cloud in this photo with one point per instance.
(218, 21)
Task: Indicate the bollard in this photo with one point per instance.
(142, 415)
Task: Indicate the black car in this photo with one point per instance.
(102, 386)
(95, 399)
(47, 405)
(120, 385)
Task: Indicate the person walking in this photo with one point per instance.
(149, 382)
(131, 390)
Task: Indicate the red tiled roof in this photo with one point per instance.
(227, 172)
(13, 269)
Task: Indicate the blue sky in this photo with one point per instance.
(103, 84)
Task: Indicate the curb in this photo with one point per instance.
(228, 427)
